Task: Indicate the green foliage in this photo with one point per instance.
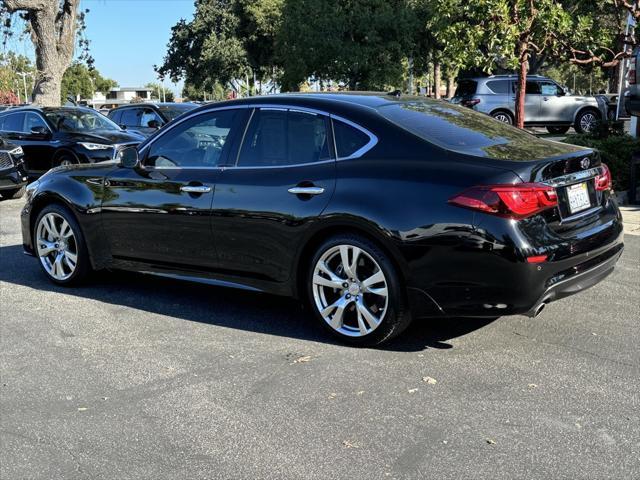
(81, 80)
(10, 81)
(226, 39)
(359, 42)
(216, 93)
(580, 80)
(615, 150)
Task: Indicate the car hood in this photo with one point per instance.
(106, 137)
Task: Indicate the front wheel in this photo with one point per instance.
(586, 121)
(355, 291)
(60, 246)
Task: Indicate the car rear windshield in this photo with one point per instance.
(174, 111)
(464, 130)
(466, 88)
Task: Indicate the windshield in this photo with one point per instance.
(174, 111)
(466, 131)
(79, 121)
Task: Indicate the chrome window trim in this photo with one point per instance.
(373, 139)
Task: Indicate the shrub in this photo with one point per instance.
(615, 150)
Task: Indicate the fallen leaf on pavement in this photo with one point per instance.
(82, 409)
(348, 444)
(332, 396)
(303, 359)
(429, 380)
(532, 385)
(490, 441)
(412, 390)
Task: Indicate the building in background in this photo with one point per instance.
(118, 96)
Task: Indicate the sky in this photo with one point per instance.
(129, 37)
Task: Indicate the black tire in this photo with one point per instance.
(579, 124)
(83, 263)
(558, 130)
(397, 316)
(13, 193)
(503, 116)
(63, 157)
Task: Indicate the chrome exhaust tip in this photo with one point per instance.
(539, 309)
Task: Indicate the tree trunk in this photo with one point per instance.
(437, 74)
(522, 83)
(450, 85)
(53, 27)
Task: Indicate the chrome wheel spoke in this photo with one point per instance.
(367, 315)
(50, 226)
(58, 269)
(338, 310)
(378, 291)
(71, 259)
(374, 279)
(65, 229)
(327, 282)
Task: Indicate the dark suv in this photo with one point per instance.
(13, 177)
(146, 118)
(54, 136)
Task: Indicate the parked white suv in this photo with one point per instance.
(547, 104)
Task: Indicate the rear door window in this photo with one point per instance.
(116, 116)
(499, 86)
(348, 139)
(533, 88)
(131, 117)
(34, 120)
(281, 138)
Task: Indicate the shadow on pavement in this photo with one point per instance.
(226, 307)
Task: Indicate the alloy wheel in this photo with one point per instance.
(502, 117)
(350, 290)
(587, 122)
(57, 246)
(65, 162)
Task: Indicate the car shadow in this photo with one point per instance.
(219, 306)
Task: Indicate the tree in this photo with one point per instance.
(52, 25)
(226, 39)
(160, 92)
(11, 68)
(80, 80)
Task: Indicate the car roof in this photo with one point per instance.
(152, 104)
(46, 109)
(365, 101)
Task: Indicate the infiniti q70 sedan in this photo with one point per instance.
(372, 209)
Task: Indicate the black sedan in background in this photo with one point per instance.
(146, 118)
(373, 209)
(13, 177)
(51, 137)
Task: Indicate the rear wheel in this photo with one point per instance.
(60, 246)
(558, 130)
(355, 291)
(502, 116)
(586, 121)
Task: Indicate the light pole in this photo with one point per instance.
(24, 83)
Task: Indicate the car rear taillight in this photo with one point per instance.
(512, 201)
(631, 74)
(470, 103)
(603, 181)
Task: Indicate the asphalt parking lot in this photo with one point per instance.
(134, 377)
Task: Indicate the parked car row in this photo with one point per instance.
(13, 175)
(547, 104)
(373, 209)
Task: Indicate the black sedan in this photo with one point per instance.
(146, 118)
(13, 177)
(373, 209)
(51, 137)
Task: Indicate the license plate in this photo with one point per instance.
(578, 196)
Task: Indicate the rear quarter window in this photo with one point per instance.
(499, 86)
(348, 139)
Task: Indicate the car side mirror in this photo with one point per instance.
(128, 158)
(40, 131)
(153, 124)
(561, 92)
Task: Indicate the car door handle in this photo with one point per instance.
(306, 190)
(195, 189)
